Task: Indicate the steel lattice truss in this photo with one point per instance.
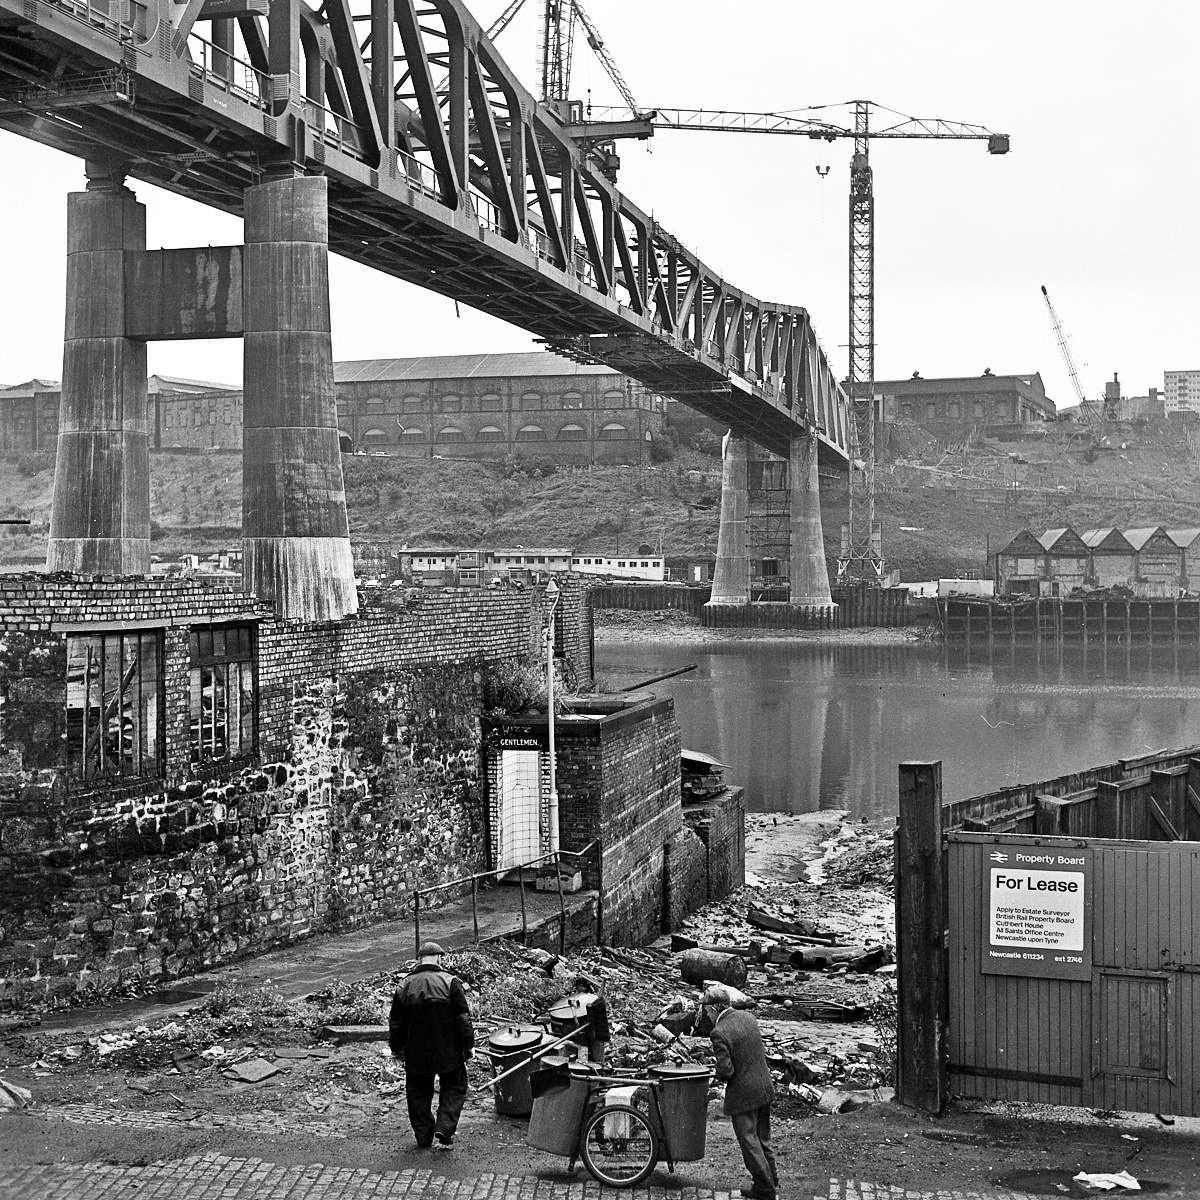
(442, 171)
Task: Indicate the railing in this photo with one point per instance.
(107, 15)
(225, 71)
(419, 176)
(556, 856)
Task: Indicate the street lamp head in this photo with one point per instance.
(552, 591)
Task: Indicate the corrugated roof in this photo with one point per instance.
(1095, 539)
(30, 386)
(463, 366)
(1051, 536)
(1183, 538)
(1137, 538)
(175, 383)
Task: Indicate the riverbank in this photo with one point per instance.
(615, 625)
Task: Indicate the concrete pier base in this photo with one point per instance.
(731, 573)
(295, 533)
(100, 518)
(809, 572)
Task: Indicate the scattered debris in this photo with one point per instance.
(1107, 1181)
(254, 1071)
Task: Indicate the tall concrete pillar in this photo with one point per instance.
(731, 574)
(100, 519)
(809, 572)
(295, 534)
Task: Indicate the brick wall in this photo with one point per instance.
(685, 883)
(720, 823)
(366, 781)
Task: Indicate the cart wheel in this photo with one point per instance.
(619, 1145)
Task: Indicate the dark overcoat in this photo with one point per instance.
(430, 1022)
(742, 1062)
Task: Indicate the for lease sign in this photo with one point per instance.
(1038, 912)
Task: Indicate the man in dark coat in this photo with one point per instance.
(430, 1029)
(749, 1089)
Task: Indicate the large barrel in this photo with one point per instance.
(700, 966)
(568, 1014)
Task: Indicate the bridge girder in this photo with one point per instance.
(442, 171)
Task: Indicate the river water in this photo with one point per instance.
(808, 725)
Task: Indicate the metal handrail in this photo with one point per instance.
(473, 880)
(223, 69)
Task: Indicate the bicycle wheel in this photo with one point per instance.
(619, 1145)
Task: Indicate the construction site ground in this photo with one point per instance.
(239, 1093)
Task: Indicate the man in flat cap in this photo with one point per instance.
(749, 1089)
(430, 1029)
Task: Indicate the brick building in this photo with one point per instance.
(494, 405)
(182, 413)
(465, 406)
(186, 779)
(966, 403)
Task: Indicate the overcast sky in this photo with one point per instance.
(1096, 200)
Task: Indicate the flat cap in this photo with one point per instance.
(717, 994)
(429, 949)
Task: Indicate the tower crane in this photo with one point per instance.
(861, 556)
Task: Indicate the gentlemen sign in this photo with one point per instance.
(1038, 913)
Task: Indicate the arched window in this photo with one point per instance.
(414, 433)
(613, 431)
(614, 398)
(490, 433)
(531, 402)
(376, 437)
(450, 404)
(572, 400)
(572, 433)
(415, 404)
(375, 404)
(531, 433)
(450, 434)
(491, 403)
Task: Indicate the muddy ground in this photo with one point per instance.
(168, 1087)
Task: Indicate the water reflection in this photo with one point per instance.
(819, 725)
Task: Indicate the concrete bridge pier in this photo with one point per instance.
(295, 534)
(731, 573)
(100, 517)
(809, 573)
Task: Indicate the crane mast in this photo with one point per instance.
(1086, 410)
(861, 556)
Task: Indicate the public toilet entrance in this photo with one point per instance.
(523, 827)
(1051, 969)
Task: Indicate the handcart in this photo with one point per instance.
(619, 1123)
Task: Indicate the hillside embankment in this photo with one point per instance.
(944, 506)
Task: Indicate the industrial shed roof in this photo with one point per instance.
(463, 366)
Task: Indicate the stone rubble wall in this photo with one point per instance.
(366, 784)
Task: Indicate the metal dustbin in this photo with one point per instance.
(554, 1125)
(569, 1014)
(508, 1047)
(683, 1104)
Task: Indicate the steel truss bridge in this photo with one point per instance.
(442, 170)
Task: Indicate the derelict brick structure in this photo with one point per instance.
(275, 293)
(770, 542)
(186, 779)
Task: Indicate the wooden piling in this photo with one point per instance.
(921, 1078)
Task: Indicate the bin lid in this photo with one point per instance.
(573, 1007)
(516, 1037)
(680, 1070)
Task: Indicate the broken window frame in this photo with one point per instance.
(222, 693)
(114, 706)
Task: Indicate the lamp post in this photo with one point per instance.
(552, 596)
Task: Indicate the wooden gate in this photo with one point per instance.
(1121, 1033)
(1052, 969)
